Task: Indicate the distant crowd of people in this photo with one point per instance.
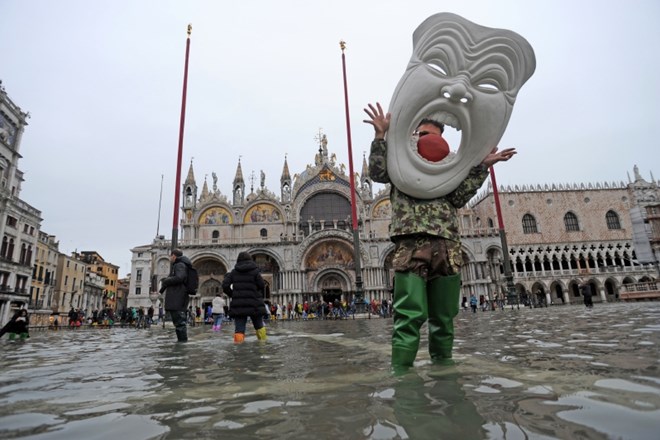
(77, 317)
(305, 310)
(317, 309)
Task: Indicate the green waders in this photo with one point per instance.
(410, 312)
(443, 295)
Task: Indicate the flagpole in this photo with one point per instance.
(359, 295)
(175, 221)
(160, 203)
(508, 273)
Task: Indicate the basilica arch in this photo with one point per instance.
(324, 210)
(270, 267)
(332, 251)
(310, 243)
(332, 284)
(329, 264)
(211, 272)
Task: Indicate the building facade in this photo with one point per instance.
(107, 271)
(141, 291)
(19, 222)
(302, 238)
(94, 292)
(44, 281)
(69, 290)
(33, 273)
(562, 235)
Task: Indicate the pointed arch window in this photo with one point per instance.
(612, 220)
(529, 224)
(571, 222)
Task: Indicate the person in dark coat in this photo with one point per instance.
(245, 286)
(176, 297)
(585, 290)
(17, 326)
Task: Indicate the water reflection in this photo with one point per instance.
(542, 373)
(433, 404)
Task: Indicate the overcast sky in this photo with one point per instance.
(102, 81)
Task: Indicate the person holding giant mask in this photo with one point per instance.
(462, 75)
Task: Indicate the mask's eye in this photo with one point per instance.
(488, 87)
(493, 82)
(438, 68)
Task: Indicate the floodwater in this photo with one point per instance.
(561, 372)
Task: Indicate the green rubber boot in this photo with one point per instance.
(443, 296)
(410, 312)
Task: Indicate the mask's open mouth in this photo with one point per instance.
(452, 133)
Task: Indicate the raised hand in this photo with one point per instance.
(501, 156)
(379, 120)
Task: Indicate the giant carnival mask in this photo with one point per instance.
(463, 75)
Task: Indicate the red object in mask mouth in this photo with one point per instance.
(433, 147)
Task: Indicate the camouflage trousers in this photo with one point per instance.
(427, 256)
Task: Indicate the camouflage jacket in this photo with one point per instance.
(411, 215)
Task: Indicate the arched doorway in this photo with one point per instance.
(558, 293)
(538, 295)
(270, 270)
(211, 272)
(574, 288)
(611, 290)
(332, 286)
(210, 287)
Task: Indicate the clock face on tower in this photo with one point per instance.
(7, 130)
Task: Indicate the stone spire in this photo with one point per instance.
(191, 175)
(239, 186)
(285, 183)
(205, 190)
(366, 188)
(285, 172)
(239, 173)
(190, 190)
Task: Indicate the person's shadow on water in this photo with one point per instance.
(433, 405)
